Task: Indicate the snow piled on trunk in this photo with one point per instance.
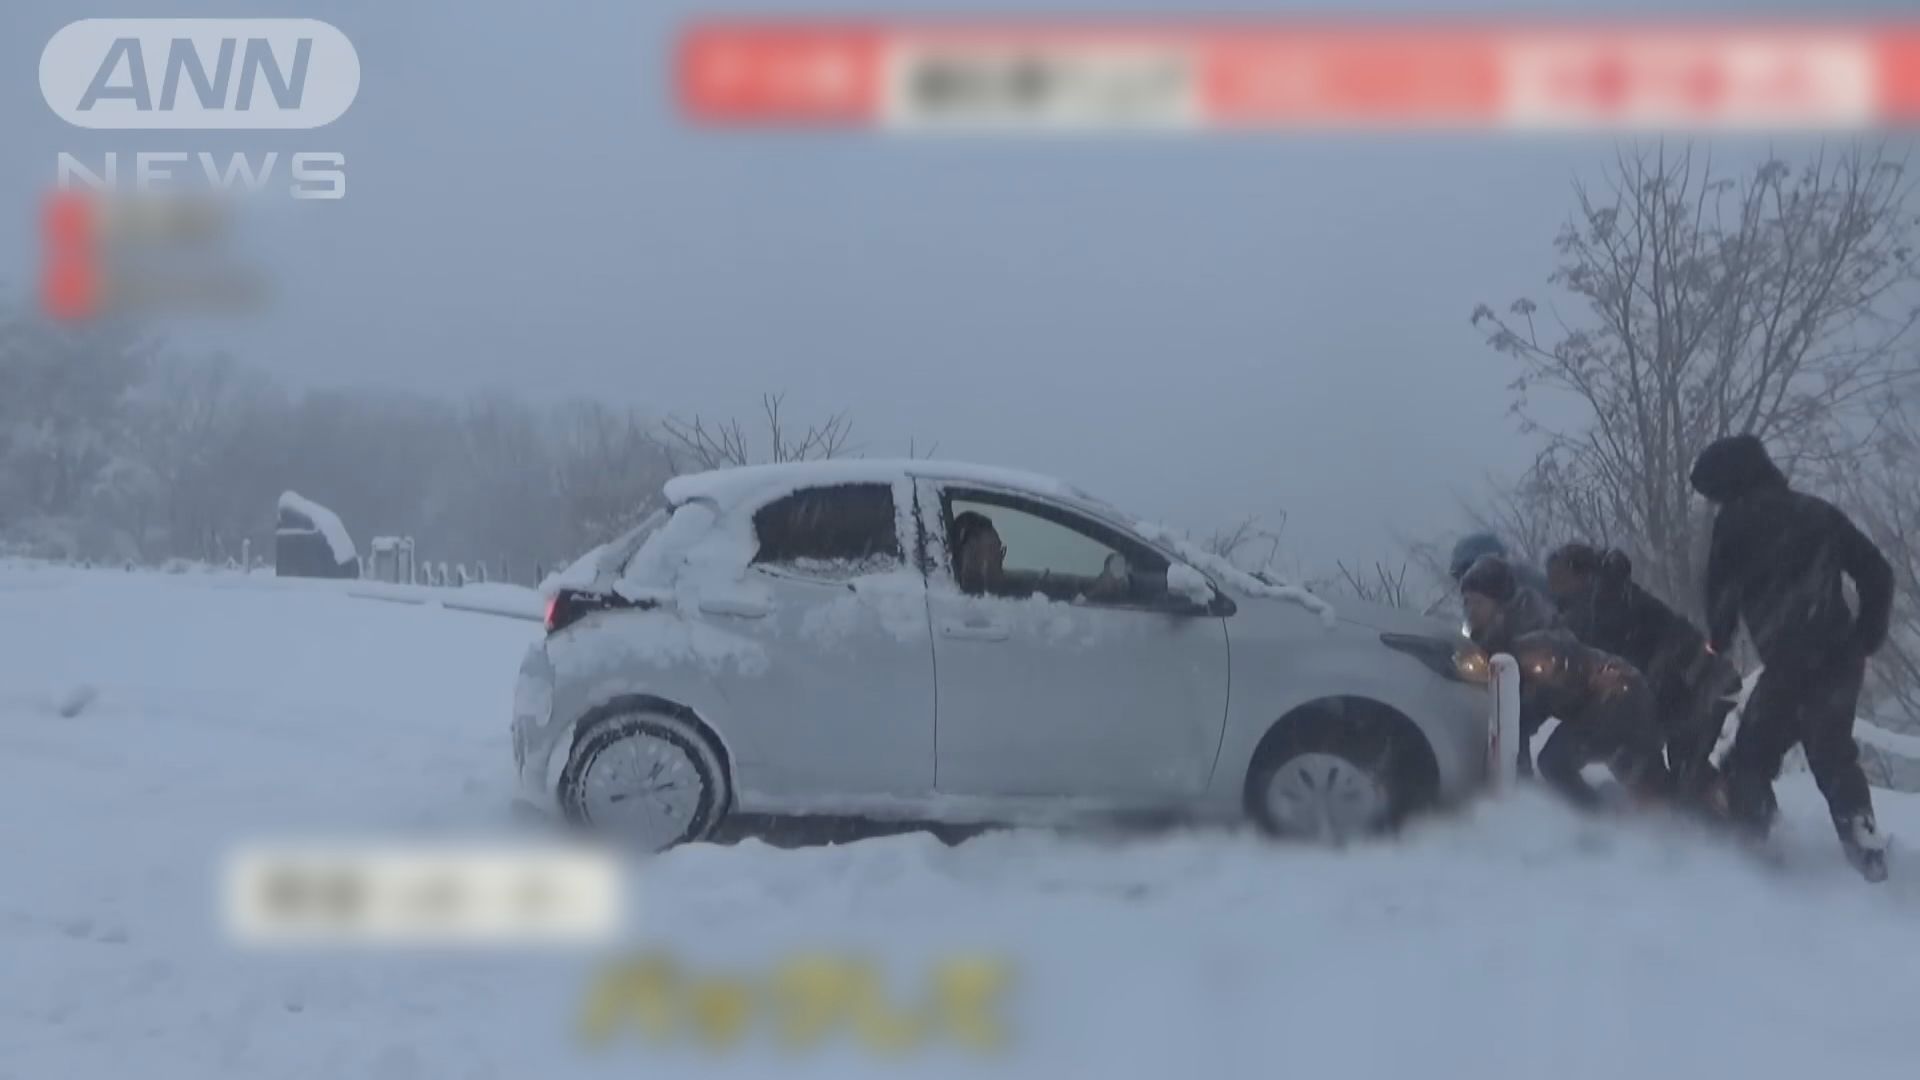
(1514, 939)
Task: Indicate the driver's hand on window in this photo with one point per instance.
(1113, 583)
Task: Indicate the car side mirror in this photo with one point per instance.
(1188, 586)
(1186, 583)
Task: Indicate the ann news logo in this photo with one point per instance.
(201, 75)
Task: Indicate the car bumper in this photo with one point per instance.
(536, 736)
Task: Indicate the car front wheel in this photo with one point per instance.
(1325, 795)
(648, 781)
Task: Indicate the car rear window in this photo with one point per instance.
(837, 525)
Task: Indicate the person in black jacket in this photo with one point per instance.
(1604, 708)
(1693, 689)
(1777, 562)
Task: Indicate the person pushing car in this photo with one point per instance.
(1777, 563)
(1694, 689)
(1604, 708)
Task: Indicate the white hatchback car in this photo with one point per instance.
(791, 640)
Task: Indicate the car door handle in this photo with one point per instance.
(738, 608)
(977, 629)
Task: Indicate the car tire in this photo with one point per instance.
(647, 780)
(1329, 791)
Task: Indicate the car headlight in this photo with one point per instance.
(1470, 664)
(1461, 661)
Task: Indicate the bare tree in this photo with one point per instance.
(1774, 304)
(1248, 543)
(1882, 491)
(190, 426)
(694, 444)
(610, 470)
(1380, 586)
(61, 393)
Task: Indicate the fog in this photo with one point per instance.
(1199, 328)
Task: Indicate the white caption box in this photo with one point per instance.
(391, 895)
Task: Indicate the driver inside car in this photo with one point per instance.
(979, 566)
(979, 556)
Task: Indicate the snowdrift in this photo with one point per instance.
(1512, 940)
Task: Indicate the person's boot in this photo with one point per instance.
(1703, 793)
(1865, 845)
(1750, 805)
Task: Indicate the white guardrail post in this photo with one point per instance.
(1503, 726)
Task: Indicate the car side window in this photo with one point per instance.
(1011, 547)
(840, 530)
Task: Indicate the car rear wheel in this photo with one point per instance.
(647, 781)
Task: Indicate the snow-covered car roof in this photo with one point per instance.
(731, 487)
(325, 522)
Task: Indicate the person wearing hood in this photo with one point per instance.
(1602, 702)
(1529, 607)
(1523, 610)
(1694, 690)
(1475, 546)
(1777, 562)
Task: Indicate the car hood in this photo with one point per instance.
(1394, 620)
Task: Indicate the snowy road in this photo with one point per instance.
(1513, 941)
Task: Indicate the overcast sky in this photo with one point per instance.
(1198, 328)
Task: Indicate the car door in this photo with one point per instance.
(1043, 690)
(845, 705)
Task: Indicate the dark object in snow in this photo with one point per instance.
(1777, 563)
(1693, 689)
(77, 701)
(310, 541)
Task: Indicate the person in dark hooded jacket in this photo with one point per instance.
(1693, 689)
(1777, 563)
(1602, 702)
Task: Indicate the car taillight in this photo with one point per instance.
(569, 606)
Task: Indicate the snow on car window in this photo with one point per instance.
(843, 568)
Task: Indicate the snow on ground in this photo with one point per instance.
(146, 721)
